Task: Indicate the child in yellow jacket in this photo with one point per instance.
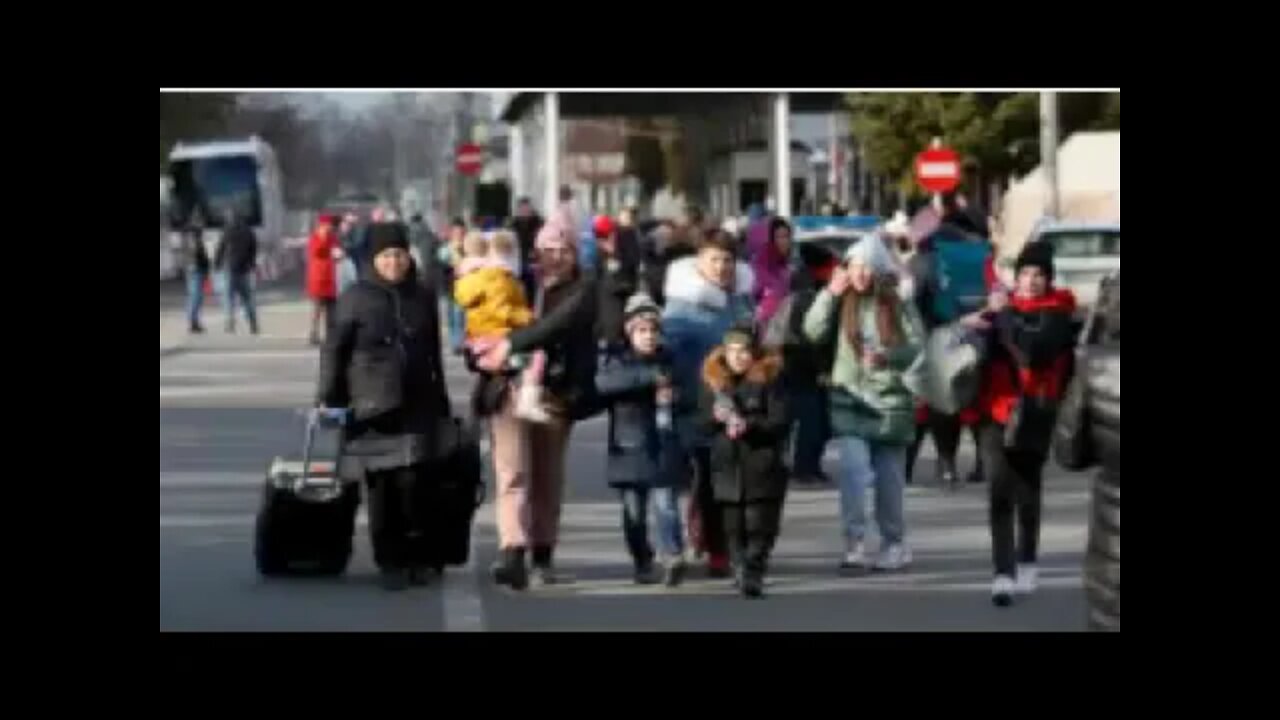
(487, 288)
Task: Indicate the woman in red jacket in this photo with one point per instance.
(1033, 332)
(322, 284)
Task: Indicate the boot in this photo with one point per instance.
(543, 572)
(718, 566)
(419, 576)
(510, 569)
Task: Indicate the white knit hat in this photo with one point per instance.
(899, 226)
(870, 251)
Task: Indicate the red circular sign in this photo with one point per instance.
(938, 169)
(470, 159)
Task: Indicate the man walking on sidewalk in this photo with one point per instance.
(236, 259)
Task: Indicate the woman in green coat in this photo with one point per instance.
(872, 410)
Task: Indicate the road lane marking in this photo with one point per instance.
(460, 595)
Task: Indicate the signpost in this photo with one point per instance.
(938, 168)
(469, 159)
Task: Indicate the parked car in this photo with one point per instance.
(1084, 254)
(818, 237)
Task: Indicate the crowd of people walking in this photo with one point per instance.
(726, 363)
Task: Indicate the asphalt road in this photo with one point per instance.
(227, 406)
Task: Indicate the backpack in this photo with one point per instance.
(960, 281)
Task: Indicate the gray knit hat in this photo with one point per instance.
(639, 306)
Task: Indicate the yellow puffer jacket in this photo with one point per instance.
(493, 300)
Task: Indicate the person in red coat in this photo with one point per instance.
(322, 281)
(1025, 375)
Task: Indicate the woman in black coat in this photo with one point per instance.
(383, 362)
(743, 410)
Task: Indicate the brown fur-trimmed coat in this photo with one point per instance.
(751, 468)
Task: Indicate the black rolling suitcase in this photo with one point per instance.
(455, 476)
(307, 518)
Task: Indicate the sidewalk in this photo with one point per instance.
(283, 311)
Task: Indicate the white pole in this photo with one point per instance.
(834, 173)
(782, 146)
(551, 130)
(516, 157)
(1049, 150)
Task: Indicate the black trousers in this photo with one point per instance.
(713, 536)
(399, 504)
(946, 430)
(1015, 484)
(750, 530)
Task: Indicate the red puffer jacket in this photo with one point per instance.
(322, 281)
(999, 393)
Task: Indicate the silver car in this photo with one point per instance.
(1084, 253)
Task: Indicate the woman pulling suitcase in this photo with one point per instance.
(383, 362)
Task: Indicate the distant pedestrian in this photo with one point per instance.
(662, 247)
(1024, 380)
(450, 255)
(635, 384)
(743, 410)
(772, 269)
(423, 245)
(237, 259)
(872, 410)
(806, 365)
(348, 266)
(322, 284)
(526, 224)
(618, 273)
(196, 269)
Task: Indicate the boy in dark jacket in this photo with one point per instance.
(635, 383)
(742, 408)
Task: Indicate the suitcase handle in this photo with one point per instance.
(316, 419)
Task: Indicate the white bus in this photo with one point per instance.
(215, 178)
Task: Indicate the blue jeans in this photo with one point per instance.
(457, 325)
(810, 421)
(195, 294)
(863, 462)
(635, 522)
(240, 286)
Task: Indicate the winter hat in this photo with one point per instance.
(899, 226)
(641, 307)
(743, 333)
(602, 226)
(871, 252)
(1036, 254)
(552, 233)
(384, 236)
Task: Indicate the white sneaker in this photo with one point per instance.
(855, 557)
(529, 405)
(894, 557)
(1002, 591)
(1027, 576)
